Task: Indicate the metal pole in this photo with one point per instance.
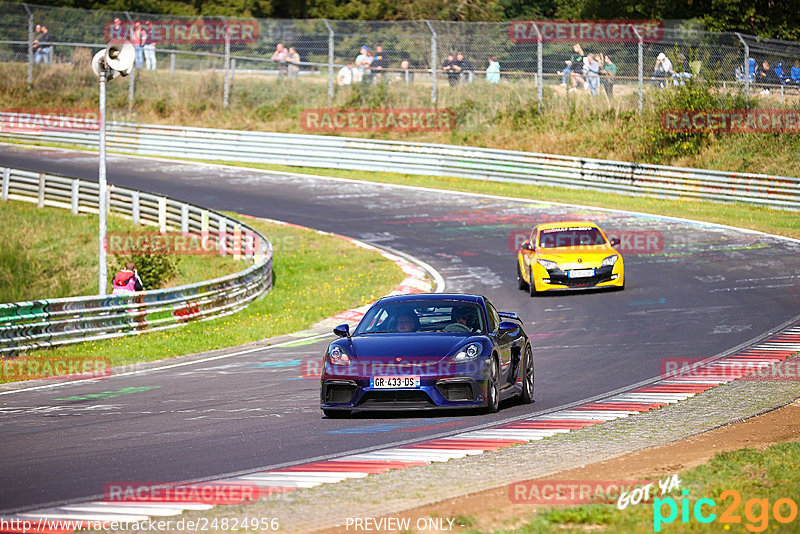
(131, 83)
(226, 91)
(172, 63)
(539, 74)
(103, 195)
(746, 70)
(30, 44)
(640, 67)
(330, 61)
(433, 61)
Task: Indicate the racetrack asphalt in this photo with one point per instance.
(703, 290)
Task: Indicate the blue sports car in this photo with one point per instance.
(428, 351)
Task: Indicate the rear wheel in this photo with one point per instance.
(492, 389)
(336, 414)
(527, 377)
(521, 283)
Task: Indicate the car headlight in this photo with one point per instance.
(611, 260)
(338, 356)
(547, 264)
(468, 353)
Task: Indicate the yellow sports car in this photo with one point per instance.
(569, 255)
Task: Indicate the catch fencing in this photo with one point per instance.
(334, 152)
(224, 59)
(54, 322)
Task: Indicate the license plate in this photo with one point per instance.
(581, 273)
(390, 382)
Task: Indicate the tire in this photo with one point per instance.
(521, 283)
(493, 389)
(527, 377)
(532, 286)
(336, 414)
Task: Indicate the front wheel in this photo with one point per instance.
(521, 283)
(527, 377)
(532, 285)
(492, 389)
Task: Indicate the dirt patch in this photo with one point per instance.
(493, 509)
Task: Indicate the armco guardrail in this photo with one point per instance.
(53, 322)
(434, 159)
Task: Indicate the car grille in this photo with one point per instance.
(396, 396)
(602, 274)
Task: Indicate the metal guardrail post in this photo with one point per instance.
(6, 183)
(330, 60)
(226, 89)
(746, 69)
(135, 208)
(204, 222)
(640, 68)
(30, 44)
(42, 185)
(539, 75)
(185, 219)
(222, 227)
(75, 198)
(434, 62)
(162, 215)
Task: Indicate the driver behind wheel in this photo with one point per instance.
(460, 320)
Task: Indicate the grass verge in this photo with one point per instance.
(50, 253)
(316, 276)
(746, 485)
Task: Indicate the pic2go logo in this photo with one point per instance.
(756, 511)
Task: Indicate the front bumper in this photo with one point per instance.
(465, 387)
(558, 279)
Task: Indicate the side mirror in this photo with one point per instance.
(614, 241)
(343, 330)
(507, 328)
(527, 246)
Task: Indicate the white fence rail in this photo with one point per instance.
(335, 152)
(54, 322)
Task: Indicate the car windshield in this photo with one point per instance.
(572, 236)
(423, 316)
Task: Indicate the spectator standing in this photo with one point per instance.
(406, 74)
(493, 71)
(592, 74)
(379, 62)
(37, 47)
(609, 73)
(149, 48)
(138, 41)
(279, 57)
(467, 68)
(452, 68)
(293, 63)
(117, 31)
(362, 65)
(345, 76)
(45, 47)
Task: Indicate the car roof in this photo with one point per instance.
(565, 224)
(432, 296)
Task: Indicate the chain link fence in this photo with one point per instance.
(210, 63)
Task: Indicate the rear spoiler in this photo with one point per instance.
(509, 315)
